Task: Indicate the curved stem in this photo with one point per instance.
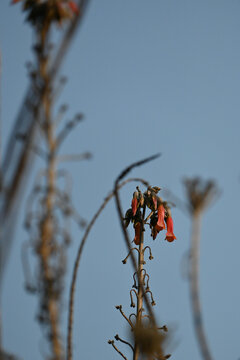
(119, 307)
(124, 261)
(117, 337)
(111, 342)
(194, 287)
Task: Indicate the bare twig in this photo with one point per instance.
(119, 307)
(124, 261)
(147, 285)
(152, 300)
(131, 316)
(131, 297)
(117, 337)
(150, 252)
(67, 129)
(74, 157)
(111, 342)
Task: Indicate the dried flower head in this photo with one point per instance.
(199, 193)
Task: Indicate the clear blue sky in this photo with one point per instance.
(162, 75)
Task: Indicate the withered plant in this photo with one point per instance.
(49, 206)
(200, 194)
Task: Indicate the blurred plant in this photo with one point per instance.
(199, 195)
(49, 206)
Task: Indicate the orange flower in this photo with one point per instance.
(170, 235)
(137, 228)
(161, 214)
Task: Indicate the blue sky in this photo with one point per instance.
(149, 77)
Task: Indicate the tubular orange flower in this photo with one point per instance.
(161, 214)
(170, 235)
(137, 228)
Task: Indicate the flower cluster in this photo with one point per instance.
(54, 11)
(159, 216)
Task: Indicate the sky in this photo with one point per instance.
(161, 76)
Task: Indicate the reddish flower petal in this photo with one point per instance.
(14, 1)
(170, 235)
(137, 238)
(160, 223)
(170, 238)
(134, 205)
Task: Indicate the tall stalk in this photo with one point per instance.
(147, 337)
(200, 194)
(140, 276)
(47, 247)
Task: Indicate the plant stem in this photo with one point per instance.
(140, 288)
(47, 227)
(194, 286)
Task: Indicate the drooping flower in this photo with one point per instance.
(161, 214)
(135, 202)
(137, 238)
(170, 235)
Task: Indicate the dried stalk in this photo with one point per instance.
(111, 342)
(140, 289)
(126, 237)
(16, 163)
(200, 193)
(47, 228)
(147, 339)
(194, 287)
(117, 337)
